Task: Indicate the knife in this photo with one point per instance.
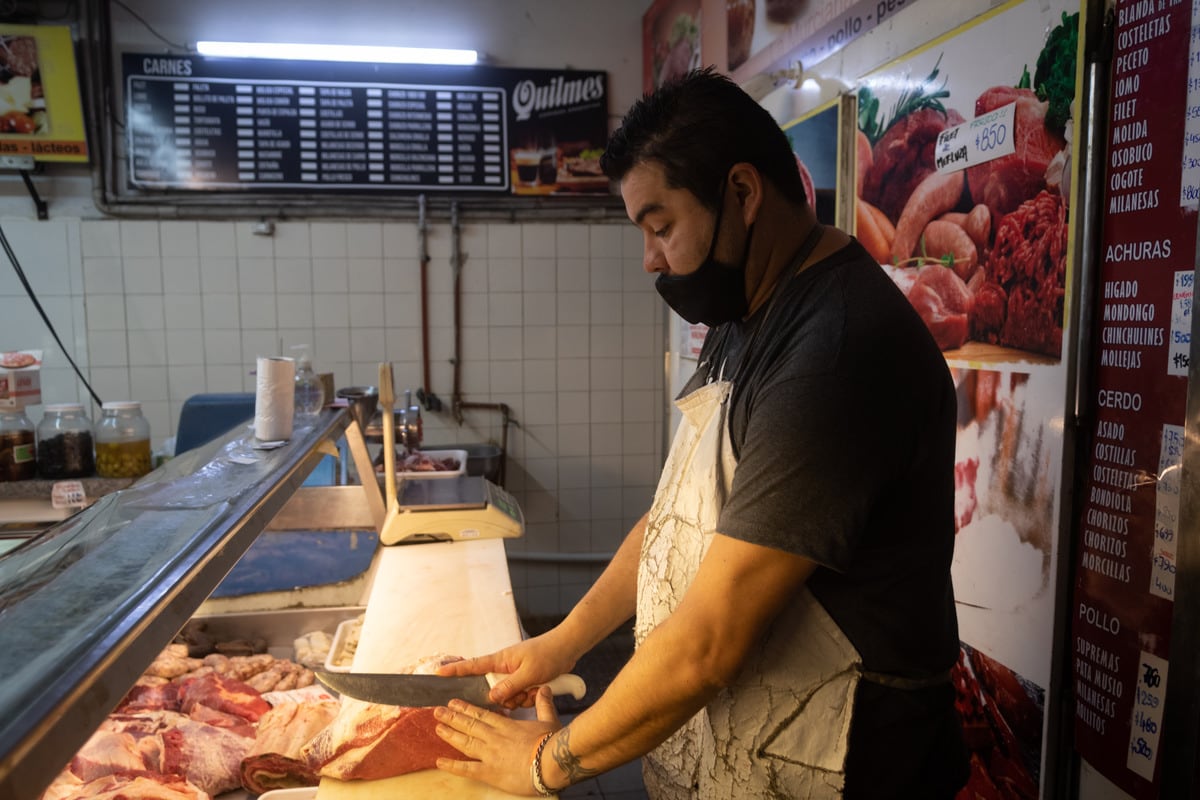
(432, 690)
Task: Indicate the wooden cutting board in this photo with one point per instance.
(429, 783)
(443, 597)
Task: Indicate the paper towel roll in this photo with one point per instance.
(274, 398)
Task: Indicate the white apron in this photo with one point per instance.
(781, 730)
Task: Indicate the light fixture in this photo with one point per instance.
(338, 52)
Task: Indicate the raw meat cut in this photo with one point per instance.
(275, 760)
(223, 694)
(369, 742)
(943, 303)
(107, 752)
(903, 157)
(150, 694)
(219, 719)
(991, 306)
(1028, 261)
(130, 786)
(208, 756)
(1004, 183)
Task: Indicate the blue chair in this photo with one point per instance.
(204, 417)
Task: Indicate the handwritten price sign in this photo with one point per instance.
(985, 138)
(1147, 715)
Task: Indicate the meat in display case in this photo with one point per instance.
(89, 609)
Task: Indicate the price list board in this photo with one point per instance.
(198, 123)
(1128, 523)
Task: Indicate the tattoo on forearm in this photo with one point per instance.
(567, 761)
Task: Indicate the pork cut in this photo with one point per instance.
(275, 760)
(1004, 183)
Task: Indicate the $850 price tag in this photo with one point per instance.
(989, 136)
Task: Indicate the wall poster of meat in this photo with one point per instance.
(963, 164)
(977, 233)
(670, 41)
(1008, 459)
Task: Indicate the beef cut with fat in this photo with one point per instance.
(276, 760)
(1004, 183)
(903, 157)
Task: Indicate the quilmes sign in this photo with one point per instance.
(207, 124)
(561, 93)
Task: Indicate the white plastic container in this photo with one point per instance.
(339, 660)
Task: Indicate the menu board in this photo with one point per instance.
(198, 123)
(1128, 523)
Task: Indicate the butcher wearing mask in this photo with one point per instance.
(790, 584)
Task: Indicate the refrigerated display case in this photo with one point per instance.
(86, 605)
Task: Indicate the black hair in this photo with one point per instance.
(696, 128)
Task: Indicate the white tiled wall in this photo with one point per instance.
(558, 321)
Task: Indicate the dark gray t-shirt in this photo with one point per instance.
(842, 419)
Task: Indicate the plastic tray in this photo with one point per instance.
(339, 644)
(299, 793)
(459, 455)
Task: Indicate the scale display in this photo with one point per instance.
(196, 123)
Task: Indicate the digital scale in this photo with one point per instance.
(453, 509)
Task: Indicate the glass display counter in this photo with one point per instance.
(86, 605)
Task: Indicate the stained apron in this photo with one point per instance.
(781, 730)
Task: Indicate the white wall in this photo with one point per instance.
(559, 320)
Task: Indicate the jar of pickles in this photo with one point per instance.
(18, 448)
(65, 442)
(122, 441)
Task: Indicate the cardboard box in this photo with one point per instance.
(20, 378)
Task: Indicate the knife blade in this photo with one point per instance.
(432, 690)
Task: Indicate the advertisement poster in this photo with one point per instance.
(814, 139)
(41, 114)
(764, 35)
(670, 41)
(1124, 591)
(963, 176)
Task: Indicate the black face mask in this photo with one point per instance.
(715, 293)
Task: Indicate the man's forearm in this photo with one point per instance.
(612, 600)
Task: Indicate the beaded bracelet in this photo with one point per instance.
(535, 768)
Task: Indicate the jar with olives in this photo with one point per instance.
(65, 442)
(122, 441)
(18, 447)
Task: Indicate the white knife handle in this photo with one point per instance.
(567, 683)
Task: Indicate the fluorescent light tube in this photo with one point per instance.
(338, 52)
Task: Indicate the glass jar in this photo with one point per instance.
(65, 442)
(122, 441)
(18, 447)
